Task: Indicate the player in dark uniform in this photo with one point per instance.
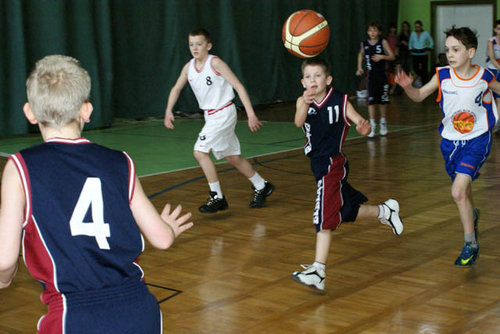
(80, 210)
(326, 115)
(375, 51)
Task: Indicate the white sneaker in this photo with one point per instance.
(372, 132)
(391, 216)
(312, 276)
(383, 129)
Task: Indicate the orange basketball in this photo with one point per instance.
(305, 33)
(463, 122)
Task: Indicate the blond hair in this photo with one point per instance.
(56, 89)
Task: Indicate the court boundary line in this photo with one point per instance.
(256, 162)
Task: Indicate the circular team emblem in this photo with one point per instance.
(463, 121)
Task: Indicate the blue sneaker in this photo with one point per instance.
(468, 256)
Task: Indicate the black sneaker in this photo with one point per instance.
(259, 196)
(214, 204)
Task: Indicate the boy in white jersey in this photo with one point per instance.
(493, 62)
(212, 82)
(469, 116)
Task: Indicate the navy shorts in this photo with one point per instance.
(127, 309)
(378, 88)
(336, 200)
(466, 156)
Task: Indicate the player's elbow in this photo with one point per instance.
(299, 123)
(163, 243)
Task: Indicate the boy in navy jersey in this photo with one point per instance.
(325, 115)
(79, 210)
(469, 115)
(376, 51)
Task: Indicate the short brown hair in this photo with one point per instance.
(201, 32)
(316, 62)
(465, 35)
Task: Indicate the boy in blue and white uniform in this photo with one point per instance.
(78, 209)
(493, 63)
(469, 114)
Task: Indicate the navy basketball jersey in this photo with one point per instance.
(372, 49)
(79, 232)
(326, 127)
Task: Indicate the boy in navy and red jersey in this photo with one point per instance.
(326, 115)
(469, 115)
(376, 51)
(78, 209)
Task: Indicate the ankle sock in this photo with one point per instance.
(257, 181)
(215, 187)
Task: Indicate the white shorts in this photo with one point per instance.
(217, 135)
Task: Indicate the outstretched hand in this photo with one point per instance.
(363, 127)
(176, 223)
(169, 120)
(403, 79)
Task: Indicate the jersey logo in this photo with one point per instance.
(463, 121)
(209, 80)
(311, 111)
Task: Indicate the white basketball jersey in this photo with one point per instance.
(496, 53)
(467, 104)
(211, 90)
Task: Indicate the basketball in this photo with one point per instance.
(305, 33)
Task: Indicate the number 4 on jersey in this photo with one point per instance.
(91, 196)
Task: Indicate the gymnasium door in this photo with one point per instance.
(477, 15)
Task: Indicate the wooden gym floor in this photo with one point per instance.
(231, 272)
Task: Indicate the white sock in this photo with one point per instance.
(372, 122)
(258, 182)
(215, 187)
(383, 120)
(319, 265)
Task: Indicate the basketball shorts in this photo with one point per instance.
(127, 309)
(217, 135)
(336, 200)
(496, 73)
(378, 88)
(466, 156)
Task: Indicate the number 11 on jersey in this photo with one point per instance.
(330, 114)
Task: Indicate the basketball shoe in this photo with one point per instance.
(312, 276)
(214, 204)
(468, 256)
(259, 196)
(383, 129)
(372, 132)
(391, 216)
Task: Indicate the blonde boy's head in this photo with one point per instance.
(57, 89)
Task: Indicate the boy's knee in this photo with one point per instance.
(198, 155)
(233, 159)
(458, 194)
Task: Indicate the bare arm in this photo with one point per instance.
(160, 230)
(220, 66)
(495, 86)
(360, 70)
(491, 55)
(302, 106)
(174, 96)
(416, 94)
(11, 222)
(362, 125)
